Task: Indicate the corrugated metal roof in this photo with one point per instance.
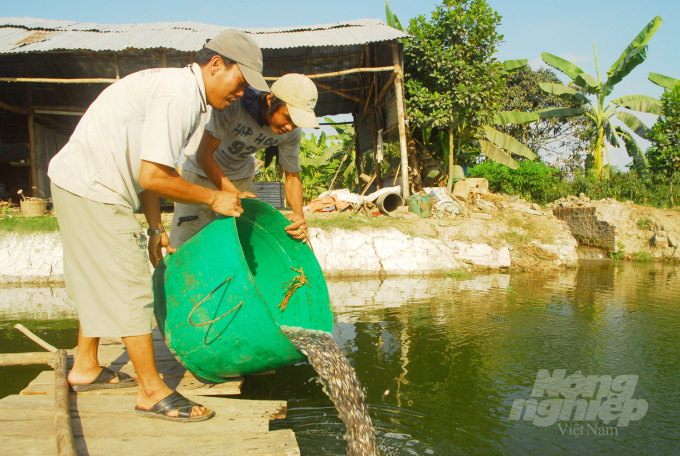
(18, 35)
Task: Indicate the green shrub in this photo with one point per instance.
(644, 223)
(620, 254)
(539, 183)
(535, 181)
(642, 257)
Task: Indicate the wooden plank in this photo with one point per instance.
(275, 443)
(135, 426)
(186, 385)
(124, 406)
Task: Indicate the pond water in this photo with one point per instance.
(442, 361)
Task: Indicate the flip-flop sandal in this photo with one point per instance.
(172, 402)
(103, 379)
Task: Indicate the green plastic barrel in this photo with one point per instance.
(420, 205)
(218, 298)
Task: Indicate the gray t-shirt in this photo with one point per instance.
(242, 136)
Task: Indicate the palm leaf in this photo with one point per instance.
(641, 103)
(564, 92)
(634, 151)
(634, 124)
(635, 53)
(494, 153)
(664, 81)
(508, 143)
(519, 117)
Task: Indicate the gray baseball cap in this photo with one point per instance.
(242, 49)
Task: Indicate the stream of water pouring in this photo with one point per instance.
(340, 383)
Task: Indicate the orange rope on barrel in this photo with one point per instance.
(293, 286)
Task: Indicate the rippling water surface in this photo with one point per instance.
(442, 360)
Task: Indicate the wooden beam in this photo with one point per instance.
(401, 118)
(62, 81)
(318, 84)
(384, 90)
(15, 109)
(329, 75)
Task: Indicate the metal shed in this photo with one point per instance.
(50, 72)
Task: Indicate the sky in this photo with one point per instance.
(529, 27)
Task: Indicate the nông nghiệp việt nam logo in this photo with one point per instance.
(562, 399)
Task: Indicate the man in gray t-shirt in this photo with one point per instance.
(224, 158)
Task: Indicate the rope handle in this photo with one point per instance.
(205, 299)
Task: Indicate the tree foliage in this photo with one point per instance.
(523, 93)
(664, 153)
(453, 81)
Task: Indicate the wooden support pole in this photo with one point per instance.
(398, 85)
(164, 60)
(66, 445)
(31, 133)
(115, 62)
(191, 58)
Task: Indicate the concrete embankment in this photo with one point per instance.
(37, 257)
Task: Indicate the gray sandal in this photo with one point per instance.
(175, 402)
(103, 379)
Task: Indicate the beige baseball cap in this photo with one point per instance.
(300, 95)
(242, 49)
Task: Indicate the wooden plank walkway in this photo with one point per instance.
(104, 421)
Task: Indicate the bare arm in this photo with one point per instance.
(166, 182)
(293, 189)
(206, 161)
(152, 210)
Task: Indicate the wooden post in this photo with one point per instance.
(31, 134)
(164, 60)
(115, 62)
(398, 85)
(66, 445)
(191, 58)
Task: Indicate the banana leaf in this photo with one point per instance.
(518, 117)
(634, 151)
(510, 66)
(587, 82)
(494, 153)
(663, 81)
(564, 66)
(635, 53)
(641, 103)
(634, 124)
(611, 135)
(564, 92)
(508, 143)
(392, 19)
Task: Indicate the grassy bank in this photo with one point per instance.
(21, 224)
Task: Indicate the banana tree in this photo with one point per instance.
(583, 84)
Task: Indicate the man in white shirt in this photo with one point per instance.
(123, 155)
(225, 159)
